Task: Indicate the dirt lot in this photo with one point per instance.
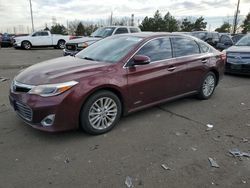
(173, 134)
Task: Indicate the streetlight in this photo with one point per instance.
(31, 14)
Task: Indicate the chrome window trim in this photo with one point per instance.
(197, 42)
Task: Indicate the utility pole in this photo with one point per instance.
(111, 18)
(31, 14)
(236, 18)
(132, 19)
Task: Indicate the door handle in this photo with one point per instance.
(171, 68)
(204, 60)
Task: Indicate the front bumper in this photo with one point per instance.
(68, 52)
(237, 68)
(32, 109)
(17, 45)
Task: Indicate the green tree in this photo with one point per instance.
(246, 24)
(224, 28)
(186, 25)
(147, 24)
(158, 23)
(90, 29)
(80, 30)
(170, 23)
(199, 24)
(58, 29)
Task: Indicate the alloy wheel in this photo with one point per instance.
(208, 85)
(102, 113)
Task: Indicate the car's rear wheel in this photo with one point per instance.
(101, 112)
(208, 86)
(26, 45)
(61, 44)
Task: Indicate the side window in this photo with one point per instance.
(44, 33)
(185, 46)
(36, 34)
(121, 30)
(157, 49)
(134, 30)
(204, 48)
(223, 39)
(215, 36)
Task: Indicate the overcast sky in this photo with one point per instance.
(17, 13)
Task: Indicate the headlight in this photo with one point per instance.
(82, 45)
(52, 89)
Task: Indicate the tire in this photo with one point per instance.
(208, 86)
(61, 44)
(26, 45)
(100, 113)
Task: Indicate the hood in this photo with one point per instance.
(239, 49)
(60, 70)
(21, 37)
(84, 39)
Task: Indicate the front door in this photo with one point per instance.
(156, 81)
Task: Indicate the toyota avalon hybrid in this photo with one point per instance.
(114, 77)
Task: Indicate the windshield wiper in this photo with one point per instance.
(98, 36)
(89, 58)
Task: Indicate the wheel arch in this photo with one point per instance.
(216, 74)
(26, 41)
(110, 88)
(61, 40)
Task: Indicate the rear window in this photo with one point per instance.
(134, 30)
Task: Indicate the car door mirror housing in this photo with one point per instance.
(141, 60)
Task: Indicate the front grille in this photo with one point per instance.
(71, 47)
(23, 110)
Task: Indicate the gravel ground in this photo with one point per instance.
(173, 135)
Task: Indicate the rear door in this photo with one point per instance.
(193, 60)
(155, 81)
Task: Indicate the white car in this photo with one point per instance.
(41, 39)
(74, 46)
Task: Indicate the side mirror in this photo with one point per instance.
(141, 60)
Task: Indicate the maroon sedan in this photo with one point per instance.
(114, 77)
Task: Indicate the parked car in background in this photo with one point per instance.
(6, 40)
(227, 40)
(113, 77)
(238, 57)
(211, 38)
(74, 46)
(41, 39)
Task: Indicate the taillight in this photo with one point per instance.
(72, 37)
(223, 56)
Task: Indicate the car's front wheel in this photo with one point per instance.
(26, 45)
(208, 86)
(101, 112)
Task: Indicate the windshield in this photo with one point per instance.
(244, 41)
(200, 35)
(110, 49)
(103, 32)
